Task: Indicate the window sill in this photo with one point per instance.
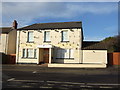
(30, 42)
(47, 41)
(28, 58)
(66, 58)
(64, 41)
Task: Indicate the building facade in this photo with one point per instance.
(8, 40)
(50, 43)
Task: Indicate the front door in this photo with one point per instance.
(46, 55)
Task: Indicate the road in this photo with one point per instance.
(37, 76)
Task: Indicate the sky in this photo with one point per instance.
(99, 19)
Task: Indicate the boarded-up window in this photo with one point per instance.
(65, 53)
(71, 53)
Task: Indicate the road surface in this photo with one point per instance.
(37, 76)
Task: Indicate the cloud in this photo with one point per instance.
(25, 12)
(60, 1)
(95, 8)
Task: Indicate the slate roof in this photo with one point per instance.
(5, 29)
(57, 25)
(102, 45)
(89, 43)
(95, 46)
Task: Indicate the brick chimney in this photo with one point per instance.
(14, 25)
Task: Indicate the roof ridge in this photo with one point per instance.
(53, 25)
(60, 22)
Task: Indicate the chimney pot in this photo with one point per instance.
(15, 24)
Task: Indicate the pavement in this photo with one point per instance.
(39, 76)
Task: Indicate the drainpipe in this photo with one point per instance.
(82, 37)
(18, 44)
(6, 45)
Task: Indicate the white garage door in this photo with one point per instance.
(95, 56)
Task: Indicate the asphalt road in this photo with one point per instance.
(37, 76)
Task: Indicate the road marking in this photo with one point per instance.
(67, 85)
(105, 87)
(64, 82)
(45, 87)
(101, 84)
(34, 72)
(26, 86)
(17, 69)
(27, 81)
(50, 84)
(11, 79)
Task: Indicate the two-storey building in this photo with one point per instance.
(8, 37)
(50, 43)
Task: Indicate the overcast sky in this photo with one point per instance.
(99, 19)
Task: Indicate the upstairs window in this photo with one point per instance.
(30, 37)
(47, 36)
(64, 36)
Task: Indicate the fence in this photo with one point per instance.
(114, 58)
(11, 58)
(8, 59)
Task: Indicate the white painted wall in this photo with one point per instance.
(74, 43)
(4, 43)
(95, 56)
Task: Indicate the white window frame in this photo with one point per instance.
(64, 38)
(29, 37)
(24, 53)
(35, 53)
(30, 53)
(65, 54)
(71, 53)
(47, 38)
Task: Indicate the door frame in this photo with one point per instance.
(40, 52)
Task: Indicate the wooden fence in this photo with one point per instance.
(8, 59)
(114, 58)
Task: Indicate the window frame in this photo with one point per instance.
(33, 56)
(29, 53)
(62, 36)
(35, 53)
(45, 37)
(61, 54)
(24, 53)
(28, 37)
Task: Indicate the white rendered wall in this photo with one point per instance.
(95, 56)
